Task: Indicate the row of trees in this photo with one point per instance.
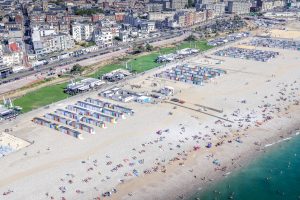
(142, 48)
(191, 38)
(86, 44)
(88, 12)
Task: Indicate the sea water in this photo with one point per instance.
(273, 175)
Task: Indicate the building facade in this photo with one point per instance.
(239, 7)
(82, 31)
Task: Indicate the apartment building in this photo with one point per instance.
(11, 54)
(103, 37)
(119, 17)
(154, 7)
(178, 4)
(239, 7)
(189, 17)
(48, 41)
(159, 16)
(180, 19)
(266, 5)
(82, 31)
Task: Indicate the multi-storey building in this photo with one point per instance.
(159, 5)
(210, 14)
(132, 19)
(64, 27)
(154, 7)
(202, 2)
(266, 5)
(52, 18)
(239, 7)
(180, 19)
(38, 18)
(147, 26)
(97, 17)
(48, 41)
(5, 71)
(82, 31)
(217, 8)
(199, 17)
(13, 25)
(159, 16)
(12, 54)
(103, 37)
(189, 17)
(124, 36)
(54, 43)
(45, 6)
(119, 16)
(178, 4)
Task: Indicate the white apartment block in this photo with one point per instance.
(160, 16)
(151, 26)
(12, 59)
(103, 37)
(54, 43)
(239, 7)
(45, 42)
(124, 36)
(82, 31)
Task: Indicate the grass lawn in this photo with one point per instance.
(41, 97)
(147, 62)
(105, 69)
(139, 64)
(167, 50)
(199, 44)
(51, 94)
(144, 63)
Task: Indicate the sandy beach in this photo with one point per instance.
(161, 152)
(182, 182)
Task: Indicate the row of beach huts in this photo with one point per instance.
(123, 95)
(193, 75)
(83, 116)
(249, 54)
(276, 43)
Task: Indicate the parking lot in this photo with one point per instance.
(249, 54)
(276, 43)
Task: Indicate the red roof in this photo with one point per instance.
(14, 47)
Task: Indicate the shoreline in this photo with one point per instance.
(179, 184)
(155, 154)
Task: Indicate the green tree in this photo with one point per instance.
(77, 69)
(88, 12)
(117, 38)
(190, 4)
(149, 47)
(138, 48)
(236, 18)
(191, 38)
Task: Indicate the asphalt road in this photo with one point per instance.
(72, 60)
(18, 80)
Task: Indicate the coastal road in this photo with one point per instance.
(20, 80)
(164, 36)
